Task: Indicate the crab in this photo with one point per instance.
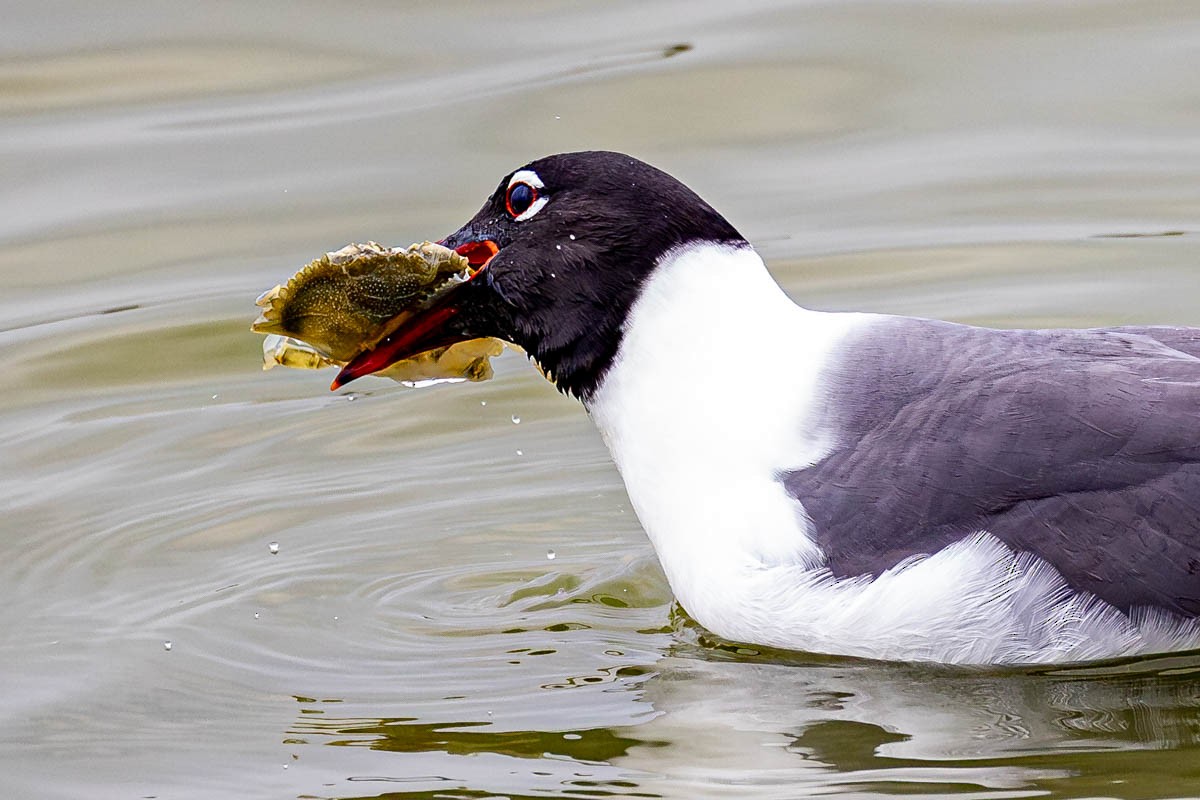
(344, 303)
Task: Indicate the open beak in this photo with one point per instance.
(466, 311)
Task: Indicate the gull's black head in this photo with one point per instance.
(563, 247)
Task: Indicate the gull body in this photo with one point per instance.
(855, 484)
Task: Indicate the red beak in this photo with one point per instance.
(447, 320)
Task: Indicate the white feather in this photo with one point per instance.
(702, 412)
(526, 176)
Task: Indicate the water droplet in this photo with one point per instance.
(520, 452)
(572, 237)
(516, 420)
(273, 547)
(551, 555)
(168, 644)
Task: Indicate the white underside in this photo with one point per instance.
(711, 398)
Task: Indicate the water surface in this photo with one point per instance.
(1007, 164)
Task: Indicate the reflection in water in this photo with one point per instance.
(408, 735)
(773, 723)
(898, 728)
(580, 760)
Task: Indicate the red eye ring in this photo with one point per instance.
(520, 198)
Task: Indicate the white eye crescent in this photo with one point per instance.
(526, 176)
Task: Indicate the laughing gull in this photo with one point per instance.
(858, 484)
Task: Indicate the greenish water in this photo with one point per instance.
(1002, 163)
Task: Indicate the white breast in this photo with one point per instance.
(713, 394)
(709, 399)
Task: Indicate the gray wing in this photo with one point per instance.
(1082, 447)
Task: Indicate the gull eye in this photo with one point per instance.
(521, 197)
(524, 197)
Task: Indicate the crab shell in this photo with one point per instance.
(344, 302)
(469, 360)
